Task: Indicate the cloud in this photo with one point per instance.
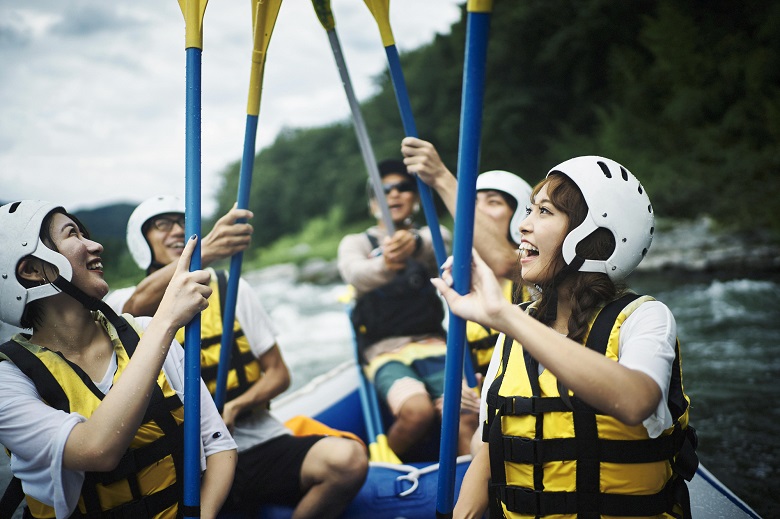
(93, 93)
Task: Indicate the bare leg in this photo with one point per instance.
(414, 420)
(333, 471)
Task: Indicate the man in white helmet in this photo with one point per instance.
(316, 475)
(495, 239)
(502, 198)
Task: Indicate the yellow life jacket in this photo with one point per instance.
(147, 482)
(245, 369)
(481, 339)
(553, 455)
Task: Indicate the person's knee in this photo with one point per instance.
(346, 460)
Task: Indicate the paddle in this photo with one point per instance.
(477, 30)
(325, 16)
(378, 448)
(264, 16)
(193, 11)
(380, 9)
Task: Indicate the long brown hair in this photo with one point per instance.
(589, 290)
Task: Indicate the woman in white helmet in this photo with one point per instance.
(600, 430)
(88, 391)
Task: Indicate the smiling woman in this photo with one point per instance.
(88, 387)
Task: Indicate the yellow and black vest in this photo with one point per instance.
(482, 340)
(244, 367)
(147, 481)
(551, 454)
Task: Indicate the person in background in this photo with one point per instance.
(91, 404)
(587, 414)
(502, 198)
(397, 317)
(315, 474)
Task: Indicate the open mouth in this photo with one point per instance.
(95, 265)
(527, 250)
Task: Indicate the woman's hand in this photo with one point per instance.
(485, 300)
(187, 293)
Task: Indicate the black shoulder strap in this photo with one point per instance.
(222, 287)
(46, 384)
(372, 240)
(598, 337)
(11, 499)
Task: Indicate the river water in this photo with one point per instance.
(729, 330)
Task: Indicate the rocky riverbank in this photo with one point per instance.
(694, 246)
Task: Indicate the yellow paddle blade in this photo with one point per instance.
(386, 454)
(479, 6)
(264, 14)
(324, 14)
(193, 11)
(381, 11)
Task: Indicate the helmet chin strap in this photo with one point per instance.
(90, 303)
(552, 290)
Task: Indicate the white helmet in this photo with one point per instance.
(146, 210)
(20, 229)
(513, 186)
(616, 201)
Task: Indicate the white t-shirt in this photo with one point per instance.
(36, 433)
(258, 426)
(647, 343)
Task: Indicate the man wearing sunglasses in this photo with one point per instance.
(397, 318)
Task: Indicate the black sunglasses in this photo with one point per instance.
(404, 186)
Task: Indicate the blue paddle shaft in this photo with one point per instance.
(410, 129)
(229, 312)
(192, 330)
(468, 162)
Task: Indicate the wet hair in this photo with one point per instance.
(589, 290)
(32, 317)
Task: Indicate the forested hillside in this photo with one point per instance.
(685, 93)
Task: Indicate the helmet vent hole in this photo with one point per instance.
(18, 298)
(13, 207)
(652, 230)
(605, 169)
(649, 208)
(614, 267)
(644, 252)
(624, 240)
(5, 276)
(624, 173)
(640, 189)
(604, 215)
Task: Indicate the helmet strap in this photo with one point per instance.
(551, 291)
(90, 303)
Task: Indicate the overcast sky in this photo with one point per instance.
(92, 93)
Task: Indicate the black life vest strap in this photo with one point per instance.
(12, 496)
(530, 502)
(146, 506)
(45, 383)
(536, 451)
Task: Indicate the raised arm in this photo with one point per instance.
(422, 159)
(98, 443)
(592, 376)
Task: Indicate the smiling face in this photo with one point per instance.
(165, 235)
(401, 197)
(543, 231)
(82, 253)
